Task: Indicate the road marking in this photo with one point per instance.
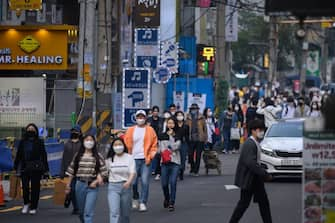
(46, 197)
(231, 187)
(15, 208)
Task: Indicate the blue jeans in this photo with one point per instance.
(156, 164)
(73, 194)
(226, 139)
(143, 172)
(169, 178)
(86, 199)
(119, 202)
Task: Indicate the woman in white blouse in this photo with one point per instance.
(122, 172)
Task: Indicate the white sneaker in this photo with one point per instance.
(158, 177)
(32, 212)
(135, 204)
(25, 209)
(143, 207)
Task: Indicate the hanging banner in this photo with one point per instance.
(17, 5)
(318, 174)
(147, 13)
(169, 56)
(231, 21)
(147, 48)
(179, 100)
(196, 98)
(313, 63)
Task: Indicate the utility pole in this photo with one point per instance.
(303, 64)
(86, 103)
(273, 55)
(220, 60)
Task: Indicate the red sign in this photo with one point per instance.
(204, 3)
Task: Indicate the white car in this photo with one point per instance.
(282, 148)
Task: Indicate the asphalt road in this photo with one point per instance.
(201, 199)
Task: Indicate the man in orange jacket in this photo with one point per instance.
(141, 142)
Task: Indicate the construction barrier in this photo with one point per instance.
(6, 161)
(55, 154)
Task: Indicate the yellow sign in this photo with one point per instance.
(29, 44)
(25, 4)
(208, 52)
(38, 49)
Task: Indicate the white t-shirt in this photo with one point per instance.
(121, 168)
(138, 143)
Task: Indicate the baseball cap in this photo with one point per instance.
(141, 112)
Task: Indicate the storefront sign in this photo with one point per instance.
(33, 49)
(318, 175)
(25, 4)
(147, 13)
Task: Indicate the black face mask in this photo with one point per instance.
(31, 134)
(74, 135)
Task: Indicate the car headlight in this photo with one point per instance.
(268, 151)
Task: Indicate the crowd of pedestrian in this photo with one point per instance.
(163, 146)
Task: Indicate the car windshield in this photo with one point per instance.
(286, 129)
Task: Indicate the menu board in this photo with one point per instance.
(318, 176)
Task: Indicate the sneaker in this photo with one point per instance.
(25, 209)
(158, 177)
(32, 212)
(135, 204)
(195, 174)
(166, 204)
(143, 207)
(171, 207)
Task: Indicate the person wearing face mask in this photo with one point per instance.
(289, 108)
(71, 148)
(270, 111)
(315, 110)
(183, 131)
(31, 164)
(141, 141)
(169, 146)
(172, 109)
(198, 137)
(250, 175)
(122, 171)
(237, 121)
(89, 169)
(156, 123)
(210, 124)
(225, 127)
(302, 110)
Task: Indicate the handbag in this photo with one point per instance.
(235, 134)
(166, 156)
(34, 166)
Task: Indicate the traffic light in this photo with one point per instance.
(266, 62)
(204, 66)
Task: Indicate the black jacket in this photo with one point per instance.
(183, 132)
(157, 125)
(70, 150)
(38, 153)
(247, 167)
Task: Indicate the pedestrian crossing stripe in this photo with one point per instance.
(15, 208)
(231, 187)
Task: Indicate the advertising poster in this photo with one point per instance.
(179, 100)
(196, 98)
(318, 175)
(135, 94)
(147, 13)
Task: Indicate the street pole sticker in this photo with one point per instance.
(135, 94)
(162, 75)
(318, 174)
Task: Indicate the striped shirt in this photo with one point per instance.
(86, 168)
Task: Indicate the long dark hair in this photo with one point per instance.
(111, 152)
(164, 135)
(81, 152)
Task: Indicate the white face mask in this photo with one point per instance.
(89, 144)
(167, 115)
(210, 114)
(315, 107)
(118, 149)
(236, 109)
(180, 118)
(140, 121)
(260, 134)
